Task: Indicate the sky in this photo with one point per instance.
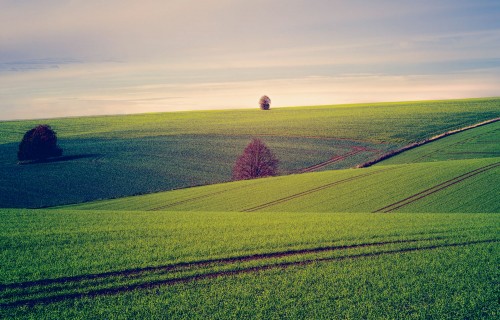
(62, 58)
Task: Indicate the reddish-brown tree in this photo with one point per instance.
(39, 143)
(256, 161)
(265, 103)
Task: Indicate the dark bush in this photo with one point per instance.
(265, 103)
(39, 143)
(256, 161)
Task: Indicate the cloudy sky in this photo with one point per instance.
(81, 57)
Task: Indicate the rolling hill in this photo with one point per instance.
(464, 184)
(116, 156)
(415, 236)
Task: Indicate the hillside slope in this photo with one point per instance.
(116, 156)
(449, 186)
(464, 184)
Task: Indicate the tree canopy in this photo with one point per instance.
(39, 143)
(256, 161)
(265, 102)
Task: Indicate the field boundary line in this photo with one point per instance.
(426, 141)
(218, 274)
(313, 190)
(436, 188)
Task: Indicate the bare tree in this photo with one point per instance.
(265, 103)
(255, 161)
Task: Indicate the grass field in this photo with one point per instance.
(91, 262)
(481, 142)
(378, 122)
(116, 156)
(413, 237)
(118, 167)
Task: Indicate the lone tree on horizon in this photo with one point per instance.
(39, 143)
(265, 103)
(256, 161)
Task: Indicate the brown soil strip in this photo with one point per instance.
(436, 188)
(212, 275)
(418, 144)
(313, 190)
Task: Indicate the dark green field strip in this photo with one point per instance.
(313, 190)
(437, 188)
(88, 289)
(98, 169)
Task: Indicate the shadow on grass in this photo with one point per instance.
(60, 159)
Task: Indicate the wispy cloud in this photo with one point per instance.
(115, 56)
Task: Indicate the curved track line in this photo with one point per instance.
(217, 274)
(203, 196)
(436, 188)
(354, 151)
(202, 263)
(313, 190)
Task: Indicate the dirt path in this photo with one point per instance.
(436, 188)
(56, 290)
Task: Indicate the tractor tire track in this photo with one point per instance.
(436, 188)
(313, 190)
(208, 195)
(218, 274)
(203, 263)
(354, 151)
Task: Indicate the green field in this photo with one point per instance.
(65, 263)
(481, 142)
(378, 122)
(470, 185)
(413, 237)
(116, 156)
